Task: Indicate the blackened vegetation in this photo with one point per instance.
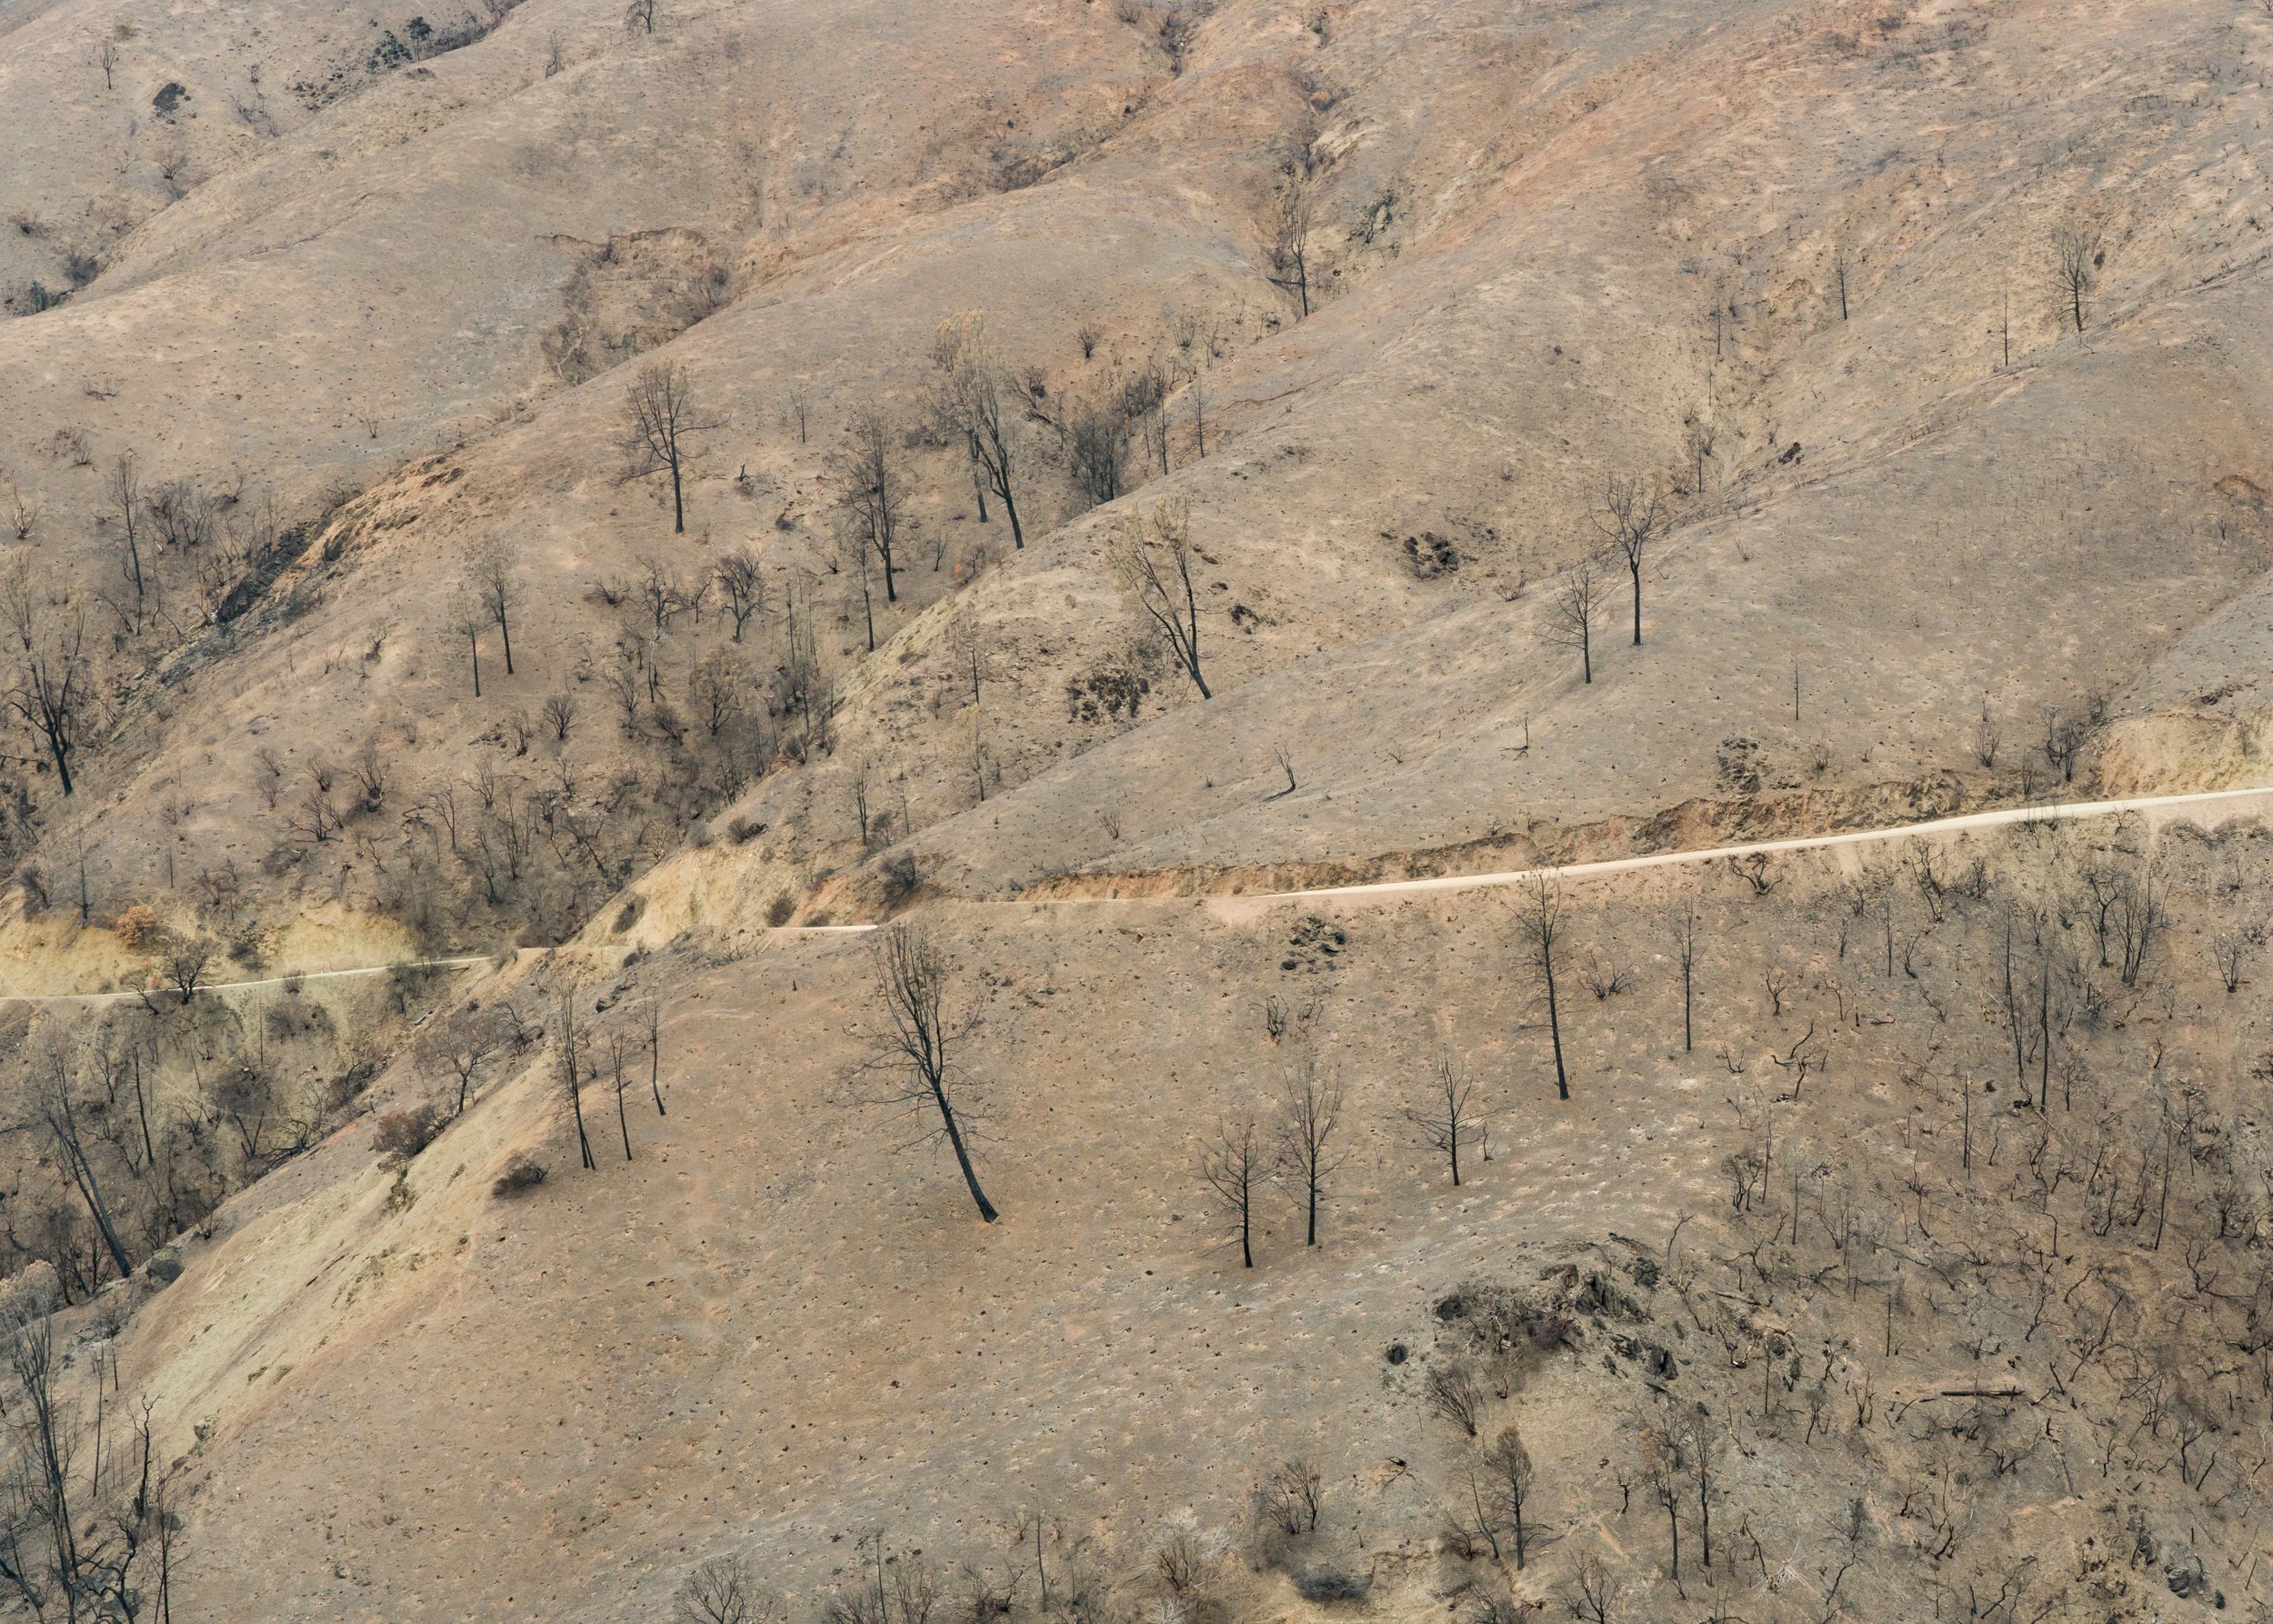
(542, 819)
(418, 39)
(1739, 768)
(86, 1531)
(521, 1176)
(1170, 24)
(133, 1122)
(1505, 1333)
(1112, 690)
(253, 566)
(630, 294)
(1314, 945)
(1429, 555)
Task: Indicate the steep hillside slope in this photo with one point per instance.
(774, 1329)
(1900, 1247)
(1562, 273)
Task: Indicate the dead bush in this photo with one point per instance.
(138, 928)
(1178, 1562)
(898, 877)
(1293, 1496)
(1112, 689)
(1322, 1585)
(403, 1134)
(1452, 1393)
(520, 1177)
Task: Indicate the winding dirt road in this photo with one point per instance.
(2225, 800)
(2228, 799)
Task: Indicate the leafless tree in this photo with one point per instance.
(171, 159)
(966, 651)
(717, 690)
(663, 594)
(1151, 555)
(1802, 1058)
(639, 17)
(1233, 1166)
(744, 585)
(1096, 446)
(22, 512)
(71, 442)
(1508, 1465)
(849, 533)
(2063, 742)
(858, 785)
(271, 773)
(1595, 1590)
(369, 772)
(495, 578)
(470, 626)
(873, 495)
(52, 682)
(970, 390)
(314, 818)
(917, 1053)
(1540, 917)
(1284, 759)
(801, 687)
(2138, 917)
(1697, 438)
(560, 715)
(1453, 1392)
(723, 1590)
(181, 517)
(184, 959)
(124, 489)
(1839, 267)
(651, 1016)
(569, 1043)
(2076, 259)
(1295, 1495)
(661, 418)
(1685, 948)
(56, 1115)
(1446, 1114)
(1633, 512)
(1665, 1472)
(463, 1044)
(1290, 244)
(1986, 735)
(1573, 612)
(83, 1518)
(616, 1051)
(1696, 1445)
(2230, 950)
(1310, 1110)
(2015, 1025)
(102, 52)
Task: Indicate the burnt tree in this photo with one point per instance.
(916, 1055)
